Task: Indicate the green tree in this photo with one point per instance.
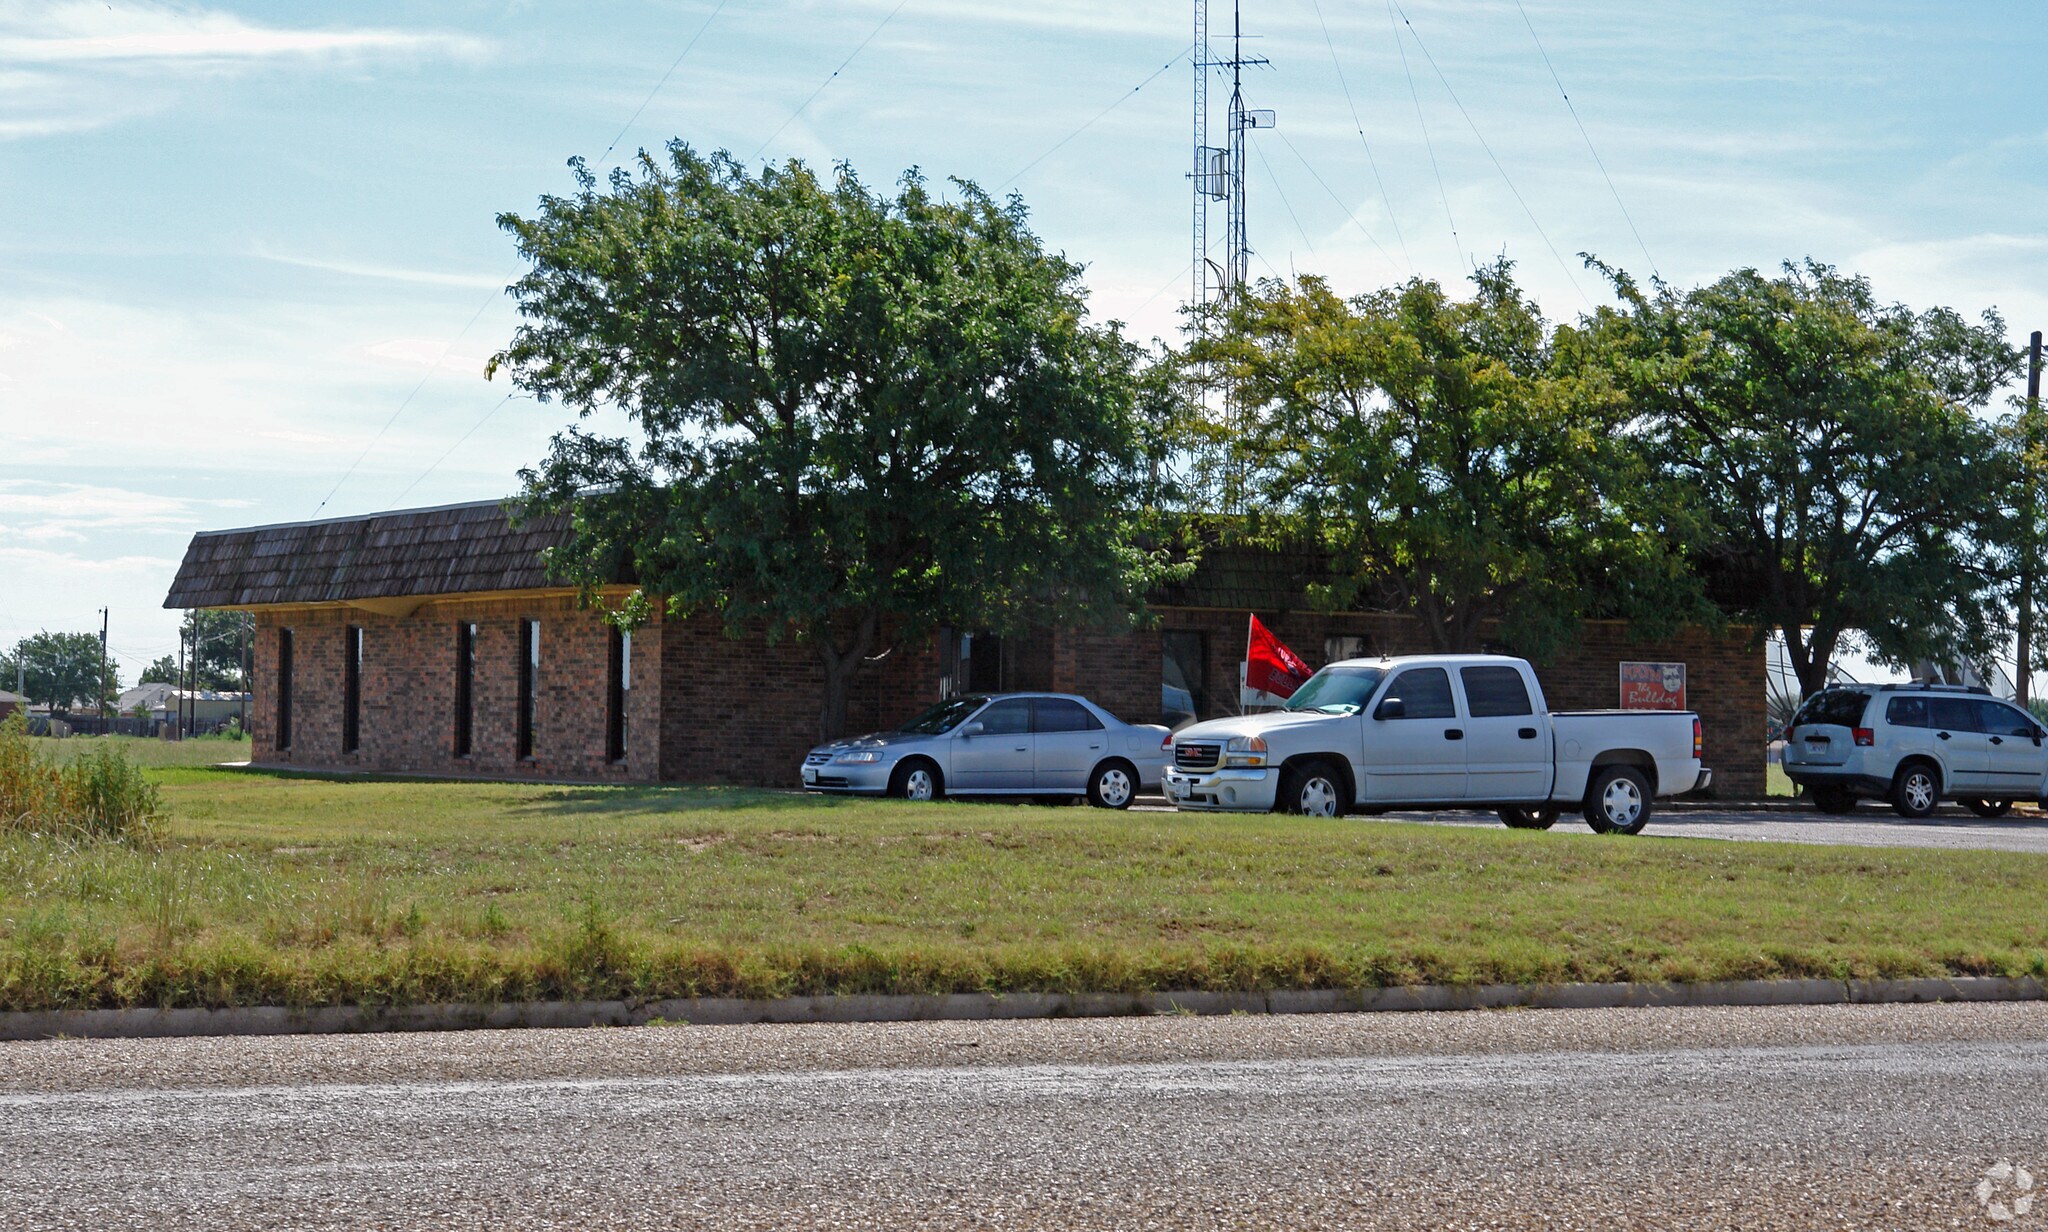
(217, 654)
(857, 416)
(1833, 448)
(1458, 457)
(161, 671)
(61, 669)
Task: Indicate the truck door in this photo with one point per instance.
(1419, 757)
(1506, 757)
(1964, 749)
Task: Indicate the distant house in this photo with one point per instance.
(165, 703)
(9, 703)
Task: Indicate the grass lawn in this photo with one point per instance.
(1775, 782)
(276, 889)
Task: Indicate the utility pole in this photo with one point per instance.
(103, 672)
(2023, 678)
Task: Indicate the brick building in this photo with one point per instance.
(431, 641)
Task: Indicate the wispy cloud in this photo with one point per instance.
(384, 273)
(75, 65)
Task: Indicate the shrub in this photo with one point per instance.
(99, 795)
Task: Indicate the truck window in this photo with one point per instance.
(2002, 720)
(1425, 693)
(1494, 691)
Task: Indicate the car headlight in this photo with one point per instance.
(1245, 751)
(857, 758)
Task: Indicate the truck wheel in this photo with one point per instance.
(1312, 789)
(1618, 801)
(1834, 801)
(1989, 808)
(917, 779)
(1917, 789)
(1113, 786)
(1522, 817)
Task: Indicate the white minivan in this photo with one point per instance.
(1916, 745)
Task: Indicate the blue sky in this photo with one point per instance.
(236, 238)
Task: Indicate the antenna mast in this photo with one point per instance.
(1219, 173)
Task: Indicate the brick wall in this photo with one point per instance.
(408, 691)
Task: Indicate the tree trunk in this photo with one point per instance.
(1810, 658)
(842, 668)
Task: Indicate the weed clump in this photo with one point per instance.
(100, 795)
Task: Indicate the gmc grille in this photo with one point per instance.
(1197, 756)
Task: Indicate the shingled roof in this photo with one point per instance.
(453, 549)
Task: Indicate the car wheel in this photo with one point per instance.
(1989, 808)
(1520, 817)
(1916, 790)
(1833, 801)
(1312, 790)
(917, 779)
(1113, 785)
(1618, 801)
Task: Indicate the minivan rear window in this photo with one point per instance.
(1837, 707)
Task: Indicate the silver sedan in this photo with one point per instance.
(1005, 744)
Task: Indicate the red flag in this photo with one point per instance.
(1269, 666)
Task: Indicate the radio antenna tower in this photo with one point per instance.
(1219, 172)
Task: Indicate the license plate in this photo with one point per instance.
(1178, 791)
(1817, 744)
(810, 775)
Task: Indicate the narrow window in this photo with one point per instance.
(351, 688)
(284, 689)
(465, 688)
(529, 684)
(618, 687)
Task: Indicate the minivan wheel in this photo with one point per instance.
(1916, 790)
(1989, 808)
(1834, 800)
(1113, 786)
(1618, 801)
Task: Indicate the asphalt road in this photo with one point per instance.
(1871, 825)
(1838, 1117)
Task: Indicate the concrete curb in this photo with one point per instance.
(977, 1007)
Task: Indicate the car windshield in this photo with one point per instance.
(1337, 690)
(944, 717)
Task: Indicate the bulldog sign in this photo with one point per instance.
(1653, 686)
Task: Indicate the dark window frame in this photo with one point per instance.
(529, 689)
(1088, 720)
(351, 688)
(465, 689)
(1394, 688)
(618, 687)
(285, 669)
(1006, 704)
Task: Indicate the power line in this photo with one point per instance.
(473, 430)
(1573, 108)
(1505, 177)
(1360, 126)
(1123, 98)
(1349, 212)
(805, 105)
(1282, 194)
(606, 156)
(1444, 194)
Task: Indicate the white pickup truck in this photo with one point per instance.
(1438, 731)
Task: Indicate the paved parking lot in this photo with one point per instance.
(1871, 825)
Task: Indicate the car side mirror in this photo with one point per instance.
(972, 729)
(1392, 708)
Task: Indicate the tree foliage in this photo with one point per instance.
(855, 416)
(1832, 447)
(217, 652)
(61, 670)
(1458, 458)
